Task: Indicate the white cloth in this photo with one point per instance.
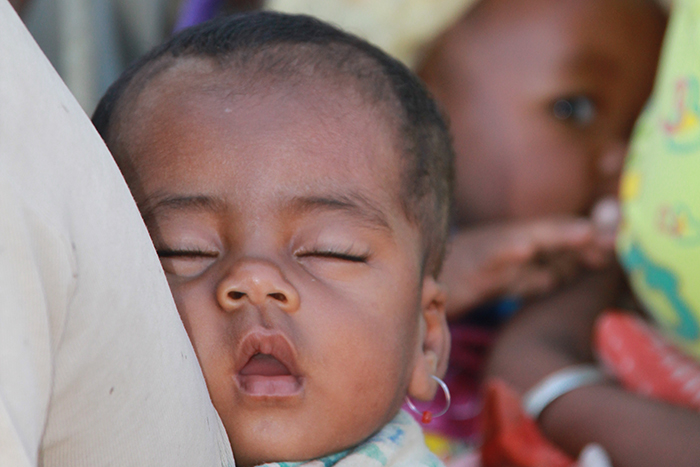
(95, 366)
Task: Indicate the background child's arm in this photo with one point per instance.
(555, 333)
(521, 259)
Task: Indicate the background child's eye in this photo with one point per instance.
(187, 262)
(580, 110)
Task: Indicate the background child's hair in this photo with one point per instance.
(291, 48)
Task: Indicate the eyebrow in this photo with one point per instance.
(164, 203)
(353, 204)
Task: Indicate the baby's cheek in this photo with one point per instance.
(368, 349)
(375, 380)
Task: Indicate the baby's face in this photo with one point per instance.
(542, 96)
(297, 274)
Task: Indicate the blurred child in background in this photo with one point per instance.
(648, 417)
(542, 96)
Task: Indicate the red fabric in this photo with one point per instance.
(644, 362)
(511, 437)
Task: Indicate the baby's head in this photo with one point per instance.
(542, 96)
(296, 184)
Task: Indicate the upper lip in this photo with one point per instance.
(269, 342)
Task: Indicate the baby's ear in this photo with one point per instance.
(434, 353)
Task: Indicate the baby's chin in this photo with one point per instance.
(249, 453)
(270, 438)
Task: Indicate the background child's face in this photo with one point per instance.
(295, 270)
(542, 96)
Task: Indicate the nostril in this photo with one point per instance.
(280, 297)
(236, 295)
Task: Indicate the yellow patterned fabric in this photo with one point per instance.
(659, 241)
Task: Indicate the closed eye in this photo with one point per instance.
(335, 254)
(186, 253)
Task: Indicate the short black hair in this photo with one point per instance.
(275, 43)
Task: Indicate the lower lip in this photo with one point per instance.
(270, 386)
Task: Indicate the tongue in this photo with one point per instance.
(264, 365)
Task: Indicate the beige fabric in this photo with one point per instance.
(402, 28)
(95, 366)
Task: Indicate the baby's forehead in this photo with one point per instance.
(276, 65)
(162, 90)
(198, 103)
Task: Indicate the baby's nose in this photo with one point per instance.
(256, 282)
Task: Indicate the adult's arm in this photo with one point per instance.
(555, 333)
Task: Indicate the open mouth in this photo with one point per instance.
(264, 365)
(267, 366)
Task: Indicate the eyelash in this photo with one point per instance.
(193, 253)
(344, 255)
